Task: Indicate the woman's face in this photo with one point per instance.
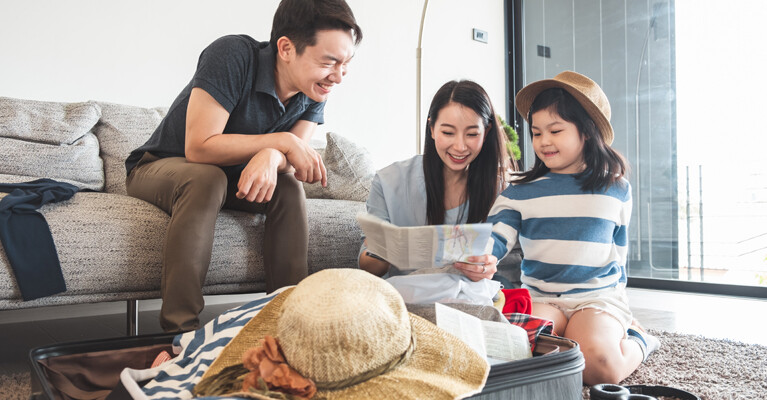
(458, 135)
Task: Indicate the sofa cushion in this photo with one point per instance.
(51, 140)
(46, 122)
(350, 171)
(78, 163)
(121, 130)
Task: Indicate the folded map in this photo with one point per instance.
(427, 246)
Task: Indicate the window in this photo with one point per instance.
(686, 92)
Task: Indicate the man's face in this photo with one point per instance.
(315, 71)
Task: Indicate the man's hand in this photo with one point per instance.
(306, 161)
(259, 178)
(476, 272)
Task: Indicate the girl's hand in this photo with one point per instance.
(477, 272)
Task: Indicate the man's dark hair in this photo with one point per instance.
(299, 21)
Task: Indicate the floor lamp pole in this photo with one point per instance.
(418, 149)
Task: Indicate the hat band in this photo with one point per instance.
(351, 381)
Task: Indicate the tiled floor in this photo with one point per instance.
(21, 330)
(734, 318)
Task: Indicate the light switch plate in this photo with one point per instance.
(479, 35)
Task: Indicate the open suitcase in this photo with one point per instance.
(60, 371)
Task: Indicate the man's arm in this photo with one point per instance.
(304, 130)
(205, 143)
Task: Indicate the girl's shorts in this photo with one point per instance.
(613, 301)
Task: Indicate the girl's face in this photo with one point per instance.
(557, 142)
(458, 135)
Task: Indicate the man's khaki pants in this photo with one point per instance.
(192, 194)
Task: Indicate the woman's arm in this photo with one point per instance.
(372, 263)
(376, 205)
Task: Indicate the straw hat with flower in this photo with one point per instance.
(585, 91)
(348, 333)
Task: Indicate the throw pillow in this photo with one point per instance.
(122, 129)
(46, 122)
(350, 171)
(51, 140)
(78, 163)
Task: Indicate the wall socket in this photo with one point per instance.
(479, 35)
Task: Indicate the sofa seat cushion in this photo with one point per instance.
(110, 248)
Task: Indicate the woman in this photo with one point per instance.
(455, 181)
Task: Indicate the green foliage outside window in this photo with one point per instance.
(512, 144)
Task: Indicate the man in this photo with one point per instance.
(237, 137)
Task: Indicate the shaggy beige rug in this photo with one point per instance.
(709, 368)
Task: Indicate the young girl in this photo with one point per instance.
(456, 180)
(570, 213)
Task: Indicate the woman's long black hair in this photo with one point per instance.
(486, 172)
(604, 165)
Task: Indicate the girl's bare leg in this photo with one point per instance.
(610, 357)
(553, 314)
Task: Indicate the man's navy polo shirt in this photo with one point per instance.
(238, 72)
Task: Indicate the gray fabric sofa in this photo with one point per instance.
(110, 244)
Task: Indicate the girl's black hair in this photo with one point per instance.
(486, 172)
(604, 165)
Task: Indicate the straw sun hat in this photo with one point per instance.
(350, 333)
(585, 91)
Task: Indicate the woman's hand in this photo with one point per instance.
(476, 272)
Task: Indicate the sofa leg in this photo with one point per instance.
(132, 321)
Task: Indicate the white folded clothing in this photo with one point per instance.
(445, 288)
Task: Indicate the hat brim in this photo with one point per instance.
(526, 96)
(441, 366)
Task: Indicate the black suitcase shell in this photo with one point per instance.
(550, 376)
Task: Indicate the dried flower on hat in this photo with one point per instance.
(267, 363)
(264, 373)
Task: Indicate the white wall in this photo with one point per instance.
(143, 53)
(449, 52)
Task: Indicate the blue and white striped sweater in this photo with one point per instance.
(197, 351)
(573, 241)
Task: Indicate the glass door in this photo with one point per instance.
(687, 99)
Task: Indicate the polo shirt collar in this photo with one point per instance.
(265, 73)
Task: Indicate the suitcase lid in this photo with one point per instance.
(41, 354)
